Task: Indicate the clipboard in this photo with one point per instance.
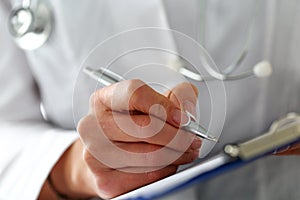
(282, 134)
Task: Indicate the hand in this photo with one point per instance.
(109, 109)
(123, 148)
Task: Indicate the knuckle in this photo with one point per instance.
(87, 157)
(149, 159)
(85, 123)
(159, 109)
(189, 86)
(182, 141)
(153, 159)
(165, 107)
(196, 91)
(100, 95)
(97, 104)
(92, 163)
(106, 126)
(153, 176)
(143, 121)
(95, 166)
(105, 188)
(134, 84)
(176, 144)
(185, 91)
(186, 158)
(135, 89)
(186, 85)
(95, 100)
(108, 187)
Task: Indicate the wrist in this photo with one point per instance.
(69, 176)
(54, 191)
(47, 192)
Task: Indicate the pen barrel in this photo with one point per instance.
(103, 76)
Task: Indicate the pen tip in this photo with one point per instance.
(214, 139)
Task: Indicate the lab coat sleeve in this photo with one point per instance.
(29, 146)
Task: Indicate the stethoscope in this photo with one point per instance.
(31, 28)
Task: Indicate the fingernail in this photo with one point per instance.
(180, 117)
(196, 143)
(190, 107)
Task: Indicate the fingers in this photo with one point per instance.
(107, 128)
(126, 130)
(157, 160)
(145, 129)
(101, 132)
(130, 154)
(150, 163)
(111, 183)
(135, 95)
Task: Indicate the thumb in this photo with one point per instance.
(185, 95)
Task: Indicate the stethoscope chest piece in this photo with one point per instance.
(30, 29)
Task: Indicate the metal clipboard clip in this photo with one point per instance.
(282, 134)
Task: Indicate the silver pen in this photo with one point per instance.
(107, 77)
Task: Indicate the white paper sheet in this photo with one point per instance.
(175, 180)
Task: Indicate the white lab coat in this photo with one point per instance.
(30, 146)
